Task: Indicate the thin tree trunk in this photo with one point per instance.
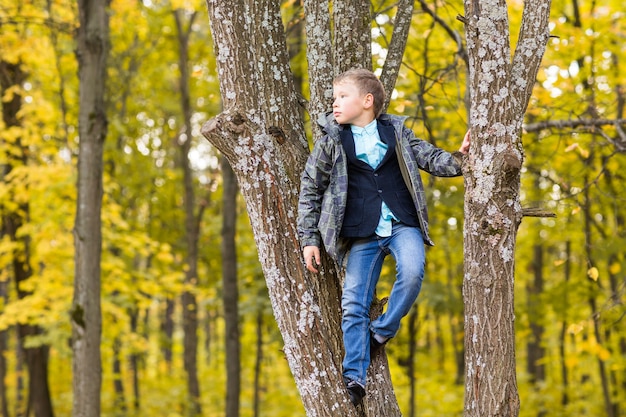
(230, 290)
(135, 359)
(593, 290)
(37, 361)
(618, 381)
(167, 329)
(258, 363)
(393, 61)
(454, 319)
(39, 400)
(192, 226)
(4, 337)
(208, 332)
(92, 53)
(412, 359)
(118, 381)
(534, 289)
(21, 403)
(535, 351)
(564, 326)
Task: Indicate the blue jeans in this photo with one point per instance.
(365, 262)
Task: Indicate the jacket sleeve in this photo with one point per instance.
(432, 159)
(313, 183)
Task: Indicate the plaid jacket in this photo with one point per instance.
(324, 183)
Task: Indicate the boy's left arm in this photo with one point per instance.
(437, 161)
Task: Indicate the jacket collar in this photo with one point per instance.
(329, 125)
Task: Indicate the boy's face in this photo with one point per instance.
(350, 106)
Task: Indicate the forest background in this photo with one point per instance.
(570, 280)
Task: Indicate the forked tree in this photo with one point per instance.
(261, 133)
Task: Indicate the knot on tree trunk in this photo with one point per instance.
(225, 128)
(511, 163)
(225, 124)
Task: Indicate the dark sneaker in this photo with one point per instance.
(355, 391)
(375, 345)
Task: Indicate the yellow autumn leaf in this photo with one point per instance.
(593, 273)
(583, 152)
(603, 354)
(571, 361)
(615, 268)
(575, 328)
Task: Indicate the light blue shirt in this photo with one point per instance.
(371, 150)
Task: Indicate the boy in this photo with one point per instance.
(354, 198)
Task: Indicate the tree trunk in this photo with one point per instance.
(320, 69)
(135, 359)
(118, 381)
(262, 136)
(500, 91)
(593, 289)
(21, 406)
(92, 52)
(230, 291)
(352, 40)
(4, 338)
(401, 28)
(412, 359)
(192, 224)
(261, 133)
(564, 326)
(39, 401)
(258, 362)
(535, 351)
(167, 329)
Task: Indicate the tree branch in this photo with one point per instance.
(461, 51)
(570, 124)
(401, 27)
(531, 45)
(536, 212)
(620, 145)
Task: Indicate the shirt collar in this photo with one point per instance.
(369, 130)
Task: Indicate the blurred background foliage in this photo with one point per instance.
(570, 281)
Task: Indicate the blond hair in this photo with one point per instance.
(367, 82)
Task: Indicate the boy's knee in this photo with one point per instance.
(413, 271)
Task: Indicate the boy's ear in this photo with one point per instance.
(368, 101)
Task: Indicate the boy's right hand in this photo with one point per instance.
(311, 257)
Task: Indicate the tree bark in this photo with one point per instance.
(564, 324)
(258, 362)
(593, 288)
(393, 61)
(92, 52)
(261, 133)
(4, 338)
(192, 221)
(230, 290)
(318, 34)
(167, 328)
(39, 401)
(500, 91)
(118, 382)
(535, 351)
(352, 35)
